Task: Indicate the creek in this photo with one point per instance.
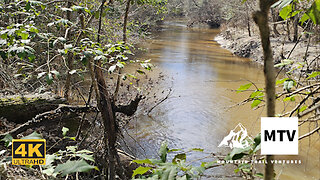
(203, 77)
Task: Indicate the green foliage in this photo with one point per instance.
(75, 162)
(140, 171)
(73, 166)
(238, 153)
(33, 135)
(284, 63)
(38, 42)
(288, 10)
(313, 74)
(314, 12)
(288, 84)
(246, 153)
(178, 168)
(256, 96)
(7, 140)
(244, 87)
(64, 131)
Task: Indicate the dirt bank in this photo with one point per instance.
(241, 44)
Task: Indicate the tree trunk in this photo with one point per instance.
(69, 58)
(261, 19)
(248, 20)
(274, 19)
(105, 107)
(295, 28)
(125, 21)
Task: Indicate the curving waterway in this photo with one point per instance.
(203, 77)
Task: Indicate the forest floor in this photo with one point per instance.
(243, 45)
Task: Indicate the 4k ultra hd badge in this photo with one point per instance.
(279, 136)
(28, 151)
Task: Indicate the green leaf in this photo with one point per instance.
(244, 87)
(291, 98)
(256, 94)
(238, 153)
(314, 12)
(257, 140)
(163, 151)
(169, 173)
(257, 143)
(197, 149)
(56, 73)
(50, 158)
(33, 135)
(28, 6)
(73, 166)
(85, 156)
(112, 68)
(49, 78)
(284, 62)
(259, 175)
(287, 12)
(255, 103)
(281, 81)
(7, 140)
(41, 74)
(78, 8)
(66, 9)
(288, 84)
(179, 157)
(64, 131)
(173, 150)
(73, 71)
(303, 108)
(68, 46)
(24, 35)
(304, 18)
(140, 170)
(50, 172)
(314, 74)
(72, 148)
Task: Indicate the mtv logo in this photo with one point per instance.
(279, 136)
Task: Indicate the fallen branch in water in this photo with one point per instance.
(165, 98)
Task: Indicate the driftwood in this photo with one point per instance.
(21, 108)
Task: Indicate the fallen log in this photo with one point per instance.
(21, 108)
(41, 119)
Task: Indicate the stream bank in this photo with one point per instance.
(241, 44)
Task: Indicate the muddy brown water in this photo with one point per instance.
(203, 76)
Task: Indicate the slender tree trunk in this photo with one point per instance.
(274, 19)
(295, 25)
(69, 58)
(248, 19)
(125, 21)
(261, 19)
(105, 107)
(288, 30)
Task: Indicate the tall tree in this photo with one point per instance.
(261, 19)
